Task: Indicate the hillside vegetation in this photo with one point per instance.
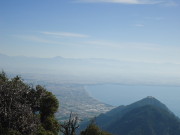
(26, 110)
(145, 117)
(30, 110)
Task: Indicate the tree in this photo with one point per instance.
(15, 109)
(48, 107)
(26, 110)
(93, 129)
(70, 126)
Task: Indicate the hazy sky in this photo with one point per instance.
(133, 30)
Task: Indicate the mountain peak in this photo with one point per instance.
(149, 101)
(150, 97)
(147, 116)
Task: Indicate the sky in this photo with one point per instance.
(137, 31)
(134, 30)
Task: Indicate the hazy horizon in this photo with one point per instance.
(132, 41)
(91, 71)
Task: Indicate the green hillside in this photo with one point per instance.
(145, 117)
(146, 120)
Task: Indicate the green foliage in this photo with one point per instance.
(13, 132)
(48, 106)
(26, 110)
(93, 129)
(15, 109)
(48, 101)
(6, 131)
(51, 124)
(42, 131)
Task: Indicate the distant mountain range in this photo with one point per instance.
(63, 69)
(145, 117)
(91, 70)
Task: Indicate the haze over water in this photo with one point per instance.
(116, 94)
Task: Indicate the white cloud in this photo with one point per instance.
(65, 34)
(36, 39)
(125, 45)
(122, 1)
(166, 3)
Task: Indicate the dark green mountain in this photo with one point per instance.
(145, 117)
(146, 120)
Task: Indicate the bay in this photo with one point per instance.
(118, 94)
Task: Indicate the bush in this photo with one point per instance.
(26, 110)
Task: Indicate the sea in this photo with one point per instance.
(119, 94)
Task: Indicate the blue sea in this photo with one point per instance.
(117, 94)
